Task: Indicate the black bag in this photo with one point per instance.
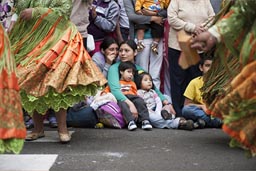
(83, 117)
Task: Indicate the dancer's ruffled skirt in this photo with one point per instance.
(54, 69)
(12, 128)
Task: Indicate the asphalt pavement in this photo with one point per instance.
(156, 150)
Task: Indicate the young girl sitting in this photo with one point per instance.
(146, 91)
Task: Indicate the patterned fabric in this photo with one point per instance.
(230, 89)
(12, 128)
(53, 67)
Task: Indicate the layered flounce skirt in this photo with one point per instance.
(54, 69)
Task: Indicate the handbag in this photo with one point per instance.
(90, 43)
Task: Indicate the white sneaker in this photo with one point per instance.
(132, 126)
(146, 125)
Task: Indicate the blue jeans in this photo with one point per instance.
(179, 79)
(194, 113)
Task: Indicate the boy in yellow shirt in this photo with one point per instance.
(194, 107)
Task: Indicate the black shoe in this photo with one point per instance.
(199, 124)
(186, 124)
(29, 124)
(166, 115)
(53, 123)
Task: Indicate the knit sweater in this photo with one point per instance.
(187, 14)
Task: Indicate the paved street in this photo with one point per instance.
(121, 150)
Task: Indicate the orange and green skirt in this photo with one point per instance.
(54, 69)
(12, 128)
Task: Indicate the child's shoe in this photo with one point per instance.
(132, 126)
(154, 48)
(199, 124)
(140, 46)
(166, 115)
(186, 124)
(146, 125)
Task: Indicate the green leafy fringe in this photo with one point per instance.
(56, 100)
(11, 146)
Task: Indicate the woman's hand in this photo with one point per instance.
(167, 106)
(204, 41)
(26, 14)
(133, 109)
(157, 19)
(139, 12)
(199, 29)
(110, 58)
(148, 12)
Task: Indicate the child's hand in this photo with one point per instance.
(148, 12)
(139, 12)
(133, 109)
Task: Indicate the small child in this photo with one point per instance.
(194, 107)
(129, 89)
(146, 91)
(151, 8)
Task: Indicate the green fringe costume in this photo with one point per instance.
(230, 85)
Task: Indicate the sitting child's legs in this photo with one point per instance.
(198, 115)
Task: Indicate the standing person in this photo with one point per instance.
(146, 91)
(12, 128)
(127, 70)
(107, 55)
(53, 68)
(146, 59)
(128, 52)
(151, 8)
(80, 17)
(194, 107)
(233, 94)
(123, 22)
(192, 17)
(103, 18)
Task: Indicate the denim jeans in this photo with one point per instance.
(158, 121)
(194, 113)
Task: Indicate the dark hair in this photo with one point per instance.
(130, 43)
(127, 65)
(204, 58)
(138, 78)
(107, 42)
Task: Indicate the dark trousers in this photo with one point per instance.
(157, 31)
(179, 79)
(125, 33)
(85, 42)
(139, 104)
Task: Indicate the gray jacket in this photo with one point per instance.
(135, 18)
